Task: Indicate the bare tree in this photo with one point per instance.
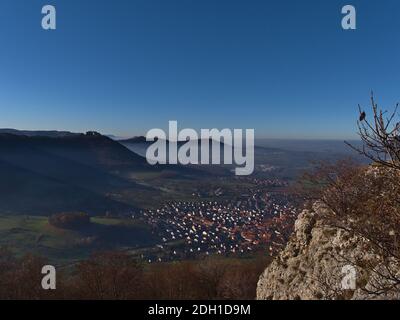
(109, 275)
(380, 135)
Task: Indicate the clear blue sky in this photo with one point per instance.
(285, 68)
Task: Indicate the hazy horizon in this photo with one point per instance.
(143, 134)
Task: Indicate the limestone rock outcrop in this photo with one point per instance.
(317, 264)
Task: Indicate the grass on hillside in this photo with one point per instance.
(33, 234)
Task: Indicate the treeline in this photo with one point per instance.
(116, 275)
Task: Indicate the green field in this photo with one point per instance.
(33, 234)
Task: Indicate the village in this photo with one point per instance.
(255, 221)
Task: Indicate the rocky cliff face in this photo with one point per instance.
(317, 264)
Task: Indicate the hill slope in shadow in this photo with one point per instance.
(43, 175)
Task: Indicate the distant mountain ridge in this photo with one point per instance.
(137, 139)
(41, 133)
(142, 140)
(61, 171)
